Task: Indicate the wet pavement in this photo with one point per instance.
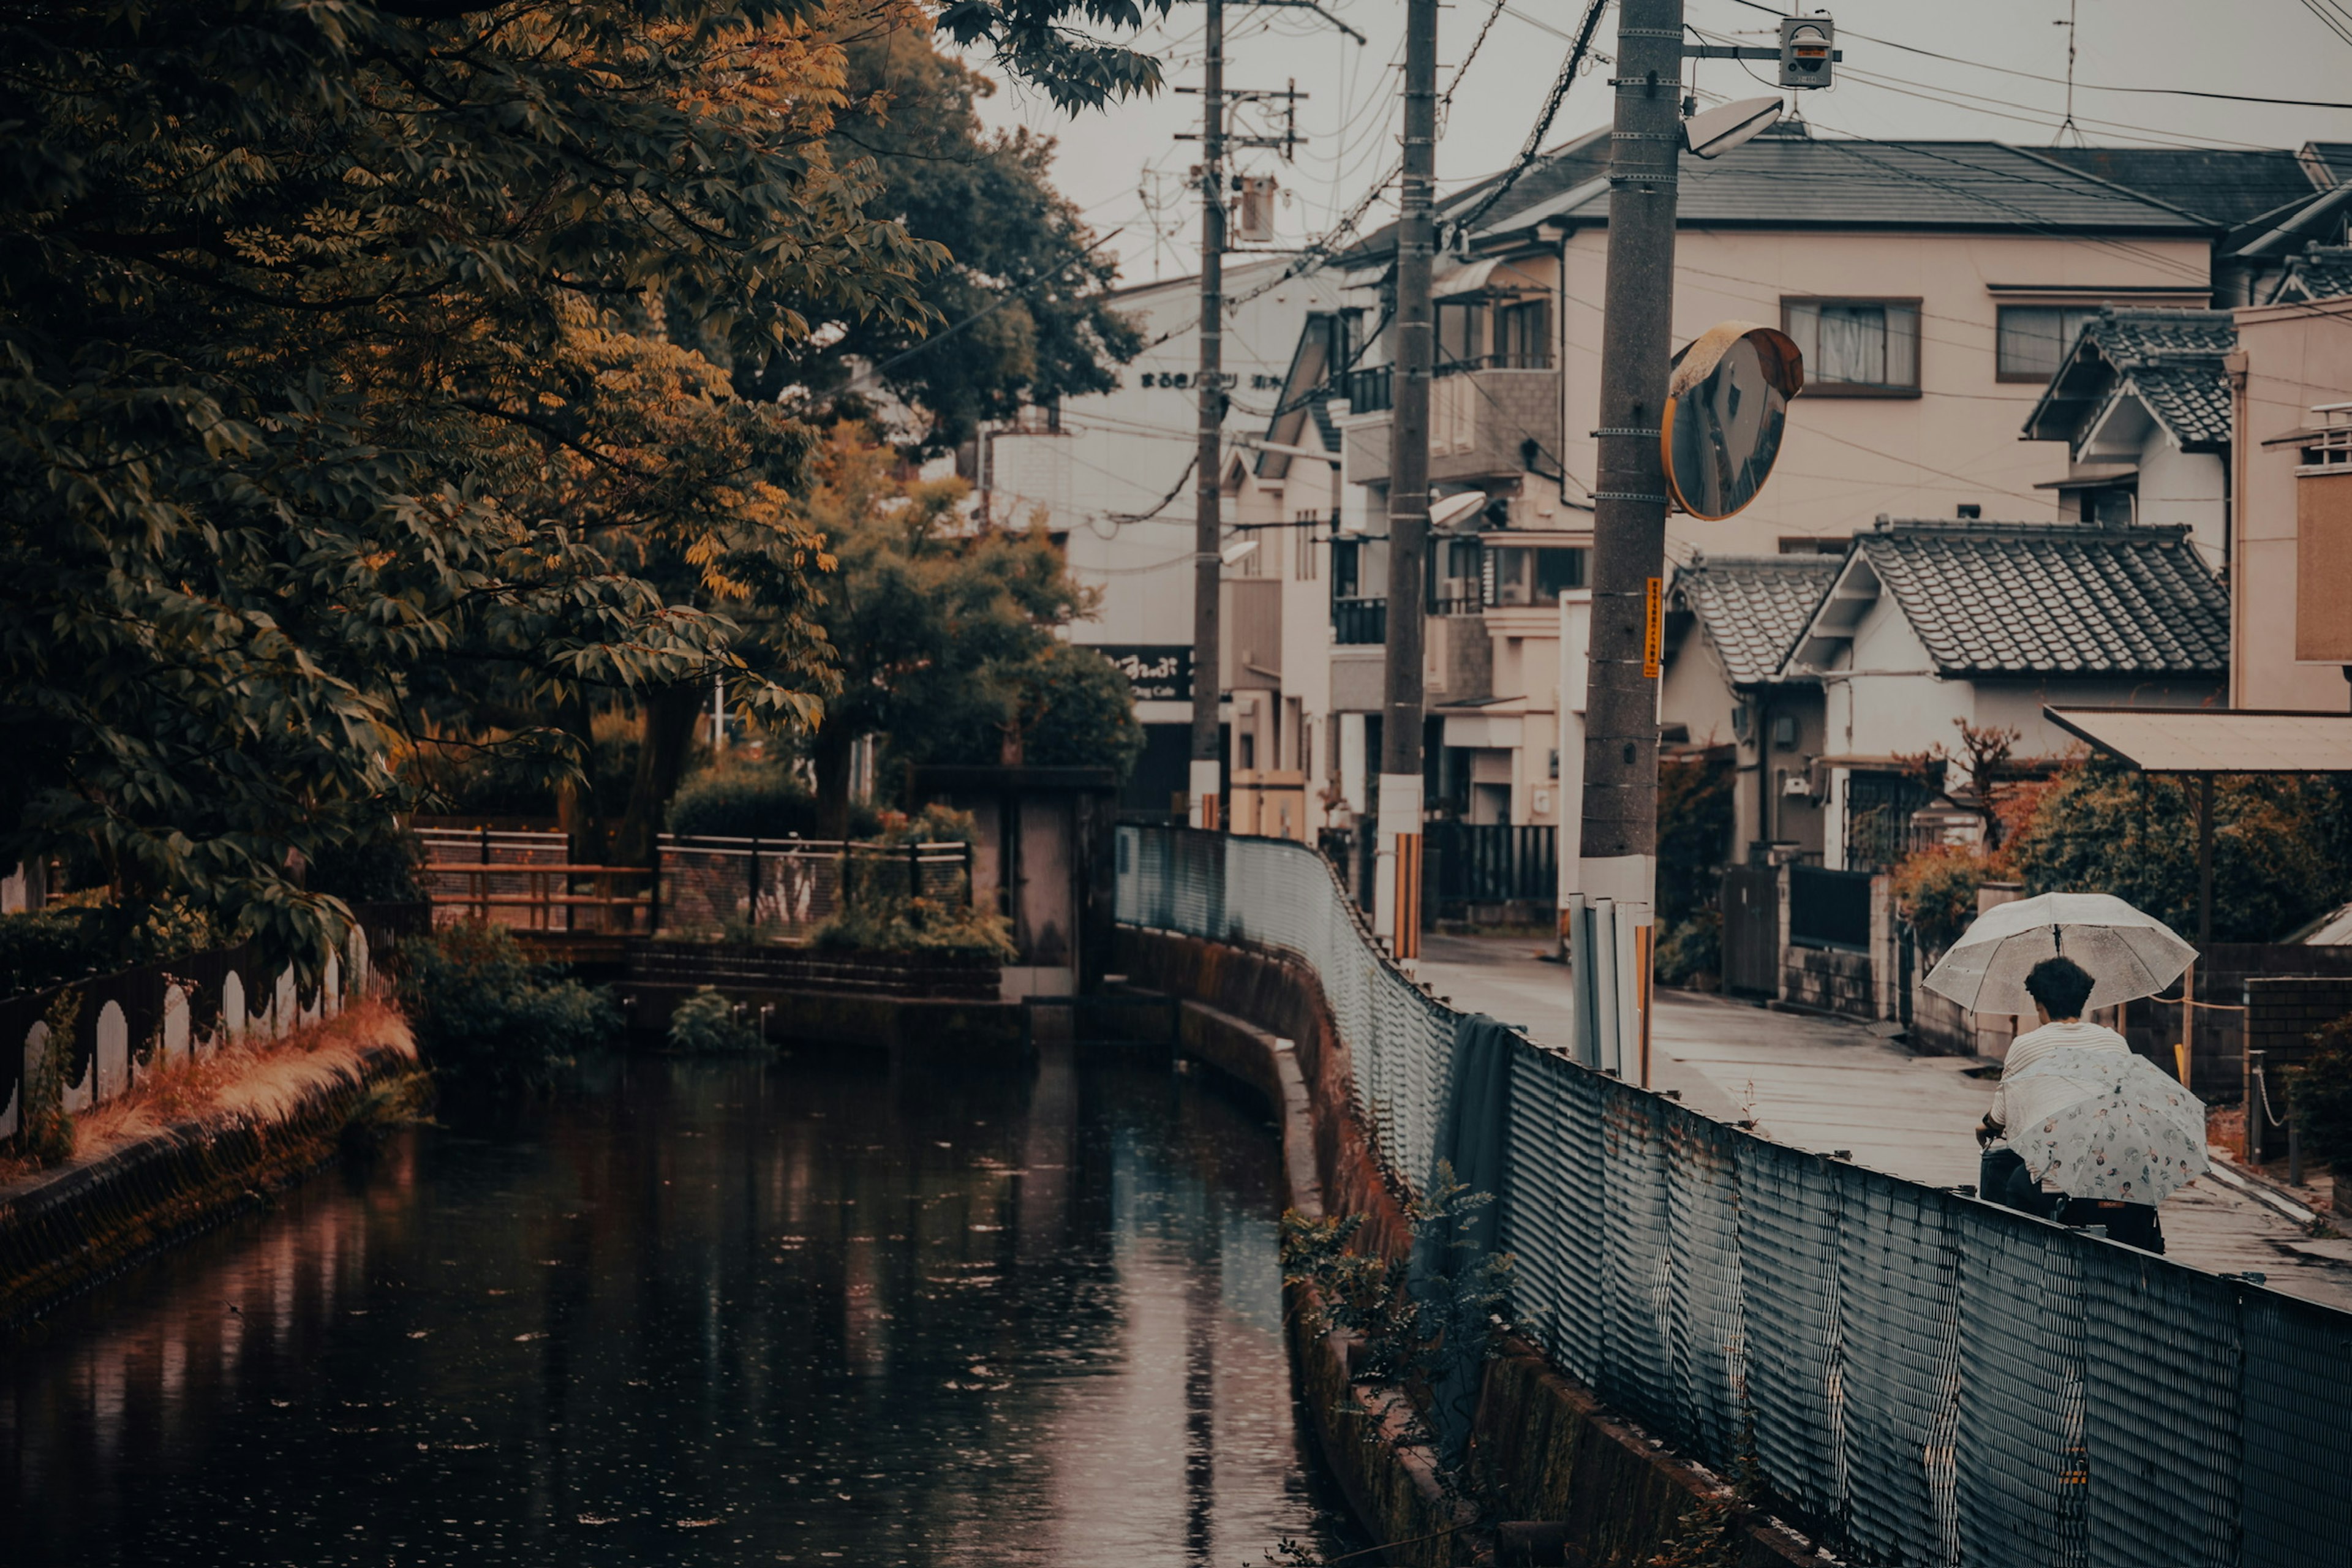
(1827, 1084)
(706, 1312)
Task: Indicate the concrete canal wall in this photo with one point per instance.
(1579, 1485)
(66, 1229)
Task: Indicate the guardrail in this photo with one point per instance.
(1927, 1378)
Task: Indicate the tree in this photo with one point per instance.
(2278, 846)
(943, 630)
(1024, 290)
(336, 398)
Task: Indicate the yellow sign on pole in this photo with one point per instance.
(1654, 629)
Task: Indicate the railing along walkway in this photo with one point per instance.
(1929, 1378)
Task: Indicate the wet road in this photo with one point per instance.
(705, 1313)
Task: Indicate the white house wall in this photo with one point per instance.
(2178, 486)
(1845, 460)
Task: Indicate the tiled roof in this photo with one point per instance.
(2319, 272)
(1752, 608)
(2044, 599)
(2126, 337)
(2191, 397)
(2170, 359)
(2224, 186)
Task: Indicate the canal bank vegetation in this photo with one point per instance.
(1420, 1334)
(490, 1021)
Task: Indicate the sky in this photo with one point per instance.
(1124, 168)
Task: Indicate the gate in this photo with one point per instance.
(1751, 929)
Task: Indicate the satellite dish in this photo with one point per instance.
(1453, 508)
(1719, 129)
(1725, 403)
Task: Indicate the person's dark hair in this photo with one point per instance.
(2061, 985)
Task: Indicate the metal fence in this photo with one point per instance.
(784, 889)
(1493, 862)
(1929, 1378)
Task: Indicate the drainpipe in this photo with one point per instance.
(2234, 500)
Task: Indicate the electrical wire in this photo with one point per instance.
(1569, 70)
(2313, 5)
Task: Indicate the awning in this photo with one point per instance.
(1478, 277)
(2207, 741)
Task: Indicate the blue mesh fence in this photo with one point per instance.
(1927, 1379)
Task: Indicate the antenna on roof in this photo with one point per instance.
(2068, 125)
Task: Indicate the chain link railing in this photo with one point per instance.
(1927, 1378)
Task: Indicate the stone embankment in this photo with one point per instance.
(1577, 1485)
(141, 1184)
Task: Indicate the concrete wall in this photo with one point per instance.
(2293, 357)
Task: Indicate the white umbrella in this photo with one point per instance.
(2126, 953)
(2102, 1124)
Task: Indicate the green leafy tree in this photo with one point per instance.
(942, 630)
(2278, 846)
(1023, 288)
(339, 415)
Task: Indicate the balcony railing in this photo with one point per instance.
(1356, 623)
(1372, 389)
(1369, 389)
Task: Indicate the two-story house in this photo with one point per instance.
(1931, 286)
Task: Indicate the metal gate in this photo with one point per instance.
(1751, 929)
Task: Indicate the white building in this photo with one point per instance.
(1112, 473)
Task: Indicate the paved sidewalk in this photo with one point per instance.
(1828, 1085)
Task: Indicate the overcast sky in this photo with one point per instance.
(1123, 166)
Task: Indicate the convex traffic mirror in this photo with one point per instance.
(1725, 403)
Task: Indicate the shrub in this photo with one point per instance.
(49, 1126)
(1936, 890)
(882, 915)
(2279, 846)
(487, 1016)
(2322, 1093)
(754, 800)
(81, 936)
(1690, 950)
(706, 1024)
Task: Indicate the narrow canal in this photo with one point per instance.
(705, 1312)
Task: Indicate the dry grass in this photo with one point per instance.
(255, 1077)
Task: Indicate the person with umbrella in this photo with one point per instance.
(2087, 1131)
(2059, 986)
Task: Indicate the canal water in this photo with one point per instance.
(706, 1312)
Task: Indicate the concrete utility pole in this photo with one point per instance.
(1204, 784)
(1618, 848)
(1396, 905)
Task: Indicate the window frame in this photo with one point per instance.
(2027, 377)
(1911, 303)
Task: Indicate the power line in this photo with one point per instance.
(1542, 128)
(2314, 6)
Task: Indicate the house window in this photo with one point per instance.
(1460, 335)
(1307, 560)
(1523, 336)
(1856, 348)
(2033, 340)
(1266, 561)
(1453, 586)
(1536, 576)
(1345, 555)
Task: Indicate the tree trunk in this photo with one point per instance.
(829, 756)
(669, 716)
(577, 810)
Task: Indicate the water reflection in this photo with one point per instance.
(705, 1313)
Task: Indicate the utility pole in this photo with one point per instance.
(1618, 859)
(1204, 783)
(1396, 904)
